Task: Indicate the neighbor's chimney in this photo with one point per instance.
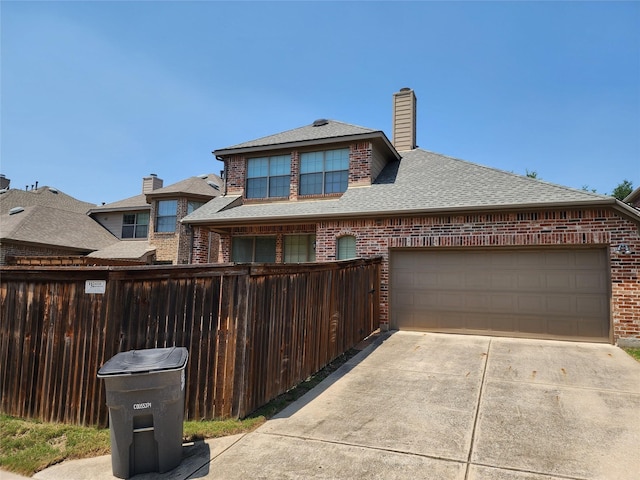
(404, 119)
(151, 183)
(4, 182)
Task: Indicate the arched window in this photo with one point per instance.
(346, 247)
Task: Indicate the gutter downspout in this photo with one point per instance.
(224, 179)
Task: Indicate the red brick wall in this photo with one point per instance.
(559, 228)
(360, 163)
(235, 167)
(540, 228)
(174, 247)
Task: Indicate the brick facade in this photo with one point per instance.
(360, 158)
(604, 228)
(174, 247)
(558, 228)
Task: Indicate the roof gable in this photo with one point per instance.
(201, 186)
(46, 196)
(52, 226)
(323, 133)
(137, 202)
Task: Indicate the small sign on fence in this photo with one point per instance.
(95, 286)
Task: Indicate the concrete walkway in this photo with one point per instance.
(435, 406)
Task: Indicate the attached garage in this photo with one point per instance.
(539, 293)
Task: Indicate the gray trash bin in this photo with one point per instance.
(145, 396)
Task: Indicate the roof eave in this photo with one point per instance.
(622, 208)
(303, 143)
(198, 196)
(119, 209)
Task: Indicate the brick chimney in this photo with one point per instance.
(404, 119)
(4, 182)
(151, 183)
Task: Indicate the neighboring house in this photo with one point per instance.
(45, 231)
(633, 198)
(128, 220)
(149, 224)
(465, 248)
(46, 222)
(43, 196)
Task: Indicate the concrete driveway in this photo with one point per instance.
(436, 406)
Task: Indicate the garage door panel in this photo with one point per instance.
(591, 306)
(529, 281)
(527, 304)
(590, 281)
(547, 293)
(560, 304)
(426, 279)
(476, 302)
(560, 280)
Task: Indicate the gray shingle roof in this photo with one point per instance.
(52, 226)
(137, 202)
(422, 182)
(46, 196)
(196, 186)
(330, 130)
(125, 250)
(633, 198)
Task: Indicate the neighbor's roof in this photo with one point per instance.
(138, 202)
(201, 186)
(329, 132)
(633, 197)
(46, 196)
(125, 250)
(421, 183)
(52, 226)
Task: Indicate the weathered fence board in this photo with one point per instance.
(252, 331)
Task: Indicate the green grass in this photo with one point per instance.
(28, 446)
(634, 352)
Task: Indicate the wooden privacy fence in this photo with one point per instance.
(252, 331)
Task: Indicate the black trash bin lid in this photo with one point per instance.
(142, 361)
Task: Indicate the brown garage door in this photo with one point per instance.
(551, 293)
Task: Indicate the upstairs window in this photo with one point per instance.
(193, 206)
(299, 248)
(253, 249)
(324, 172)
(135, 225)
(166, 217)
(268, 177)
(346, 247)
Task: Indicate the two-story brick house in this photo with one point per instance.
(148, 224)
(465, 248)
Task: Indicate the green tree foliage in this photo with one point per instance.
(623, 190)
(533, 174)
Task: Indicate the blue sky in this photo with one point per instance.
(96, 95)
